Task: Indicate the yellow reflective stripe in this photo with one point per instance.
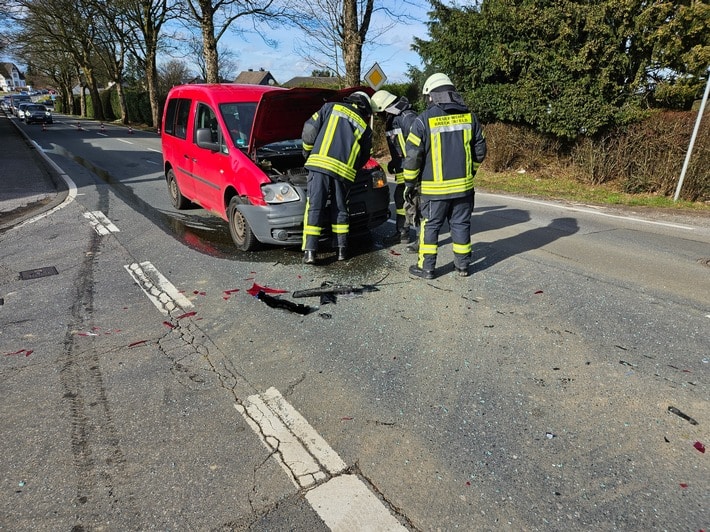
(329, 134)
(333, 165)
(399, 178)
(308, 147)
(410, 175)
(414, 139)
(427, 249)
(449, 186)
(312, 230)
(437, 171)
(476, 166)
(462, 249)
(401, 212)
(340, 229)
(441, 124)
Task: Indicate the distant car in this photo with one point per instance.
(16, 100)
(236, 151)
(21, 109)
(37, 113)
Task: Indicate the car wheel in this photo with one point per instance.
(177, 199)
(242, 235)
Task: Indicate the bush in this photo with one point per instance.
(643, 158)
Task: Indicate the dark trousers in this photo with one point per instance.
(434, 213)
(402, 221)
(322, 187)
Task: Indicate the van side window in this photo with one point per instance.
(176, 115)
(205, 117)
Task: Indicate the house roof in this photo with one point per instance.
(7, 68)
(313, 81)
(256, 77)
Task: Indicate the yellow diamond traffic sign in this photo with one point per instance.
(375, 77)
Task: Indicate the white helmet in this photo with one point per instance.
(381, 100)
(434, 81)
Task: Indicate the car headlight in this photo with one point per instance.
(279, 193)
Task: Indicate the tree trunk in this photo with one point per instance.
(122, 102)
(352, 44)
(151, 76)
(210, 52)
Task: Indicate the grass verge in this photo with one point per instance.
(567, 188)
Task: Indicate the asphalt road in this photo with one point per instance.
(564, 385)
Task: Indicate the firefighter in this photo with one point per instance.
(444, 149)
(398, 116)
(337, 141)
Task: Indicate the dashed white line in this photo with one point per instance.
(123, 140)
(101, 224)
(159, 290)
(342, 501)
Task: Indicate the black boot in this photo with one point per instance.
(342, 253)
(417, 271)
(309, 256)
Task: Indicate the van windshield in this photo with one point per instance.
(238, 118)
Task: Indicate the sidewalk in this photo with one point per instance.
(28, 185)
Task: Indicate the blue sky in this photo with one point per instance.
(392, 51)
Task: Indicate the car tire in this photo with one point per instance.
(239, 229)
(176, 198)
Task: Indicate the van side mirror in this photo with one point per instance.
(203, 138)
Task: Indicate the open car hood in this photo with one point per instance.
(280, 114)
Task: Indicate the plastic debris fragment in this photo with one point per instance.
(255, 289)
(699, 446)
(335, 289)
(674, 410)
(26, 352)
(549, 435)
(168, 324)
(139, 342)
(186, 315)
(275, 302)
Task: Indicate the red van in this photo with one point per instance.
(235, 150)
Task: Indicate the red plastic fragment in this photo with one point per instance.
(468, 482)
(139, 342)
(186, 315)
(199, 293)
(699, 446)
(255, 289)
(26, 352)
(232, 291)
(168, 324)
(393, 252)
(683, 485)
(539, 292)
(346, 419)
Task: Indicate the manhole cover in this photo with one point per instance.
(37, 273)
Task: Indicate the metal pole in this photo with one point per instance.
(692, 138)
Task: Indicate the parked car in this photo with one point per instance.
(236, 151)
(37, 113)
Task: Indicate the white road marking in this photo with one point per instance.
(123, 140)
(156, 151)
(101, 224)
(343, 502)
(595, 212)
(159, 290)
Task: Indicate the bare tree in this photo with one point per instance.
(215, 17)
(337, 32)
(68, 28)
(173, 72)
(226, 60)
(147, 19)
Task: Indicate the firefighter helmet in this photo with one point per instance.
(435, 81)
(381, 100)
(361, 100)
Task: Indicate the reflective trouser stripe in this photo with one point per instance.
(341, 229)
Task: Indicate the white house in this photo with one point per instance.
(10, 77)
